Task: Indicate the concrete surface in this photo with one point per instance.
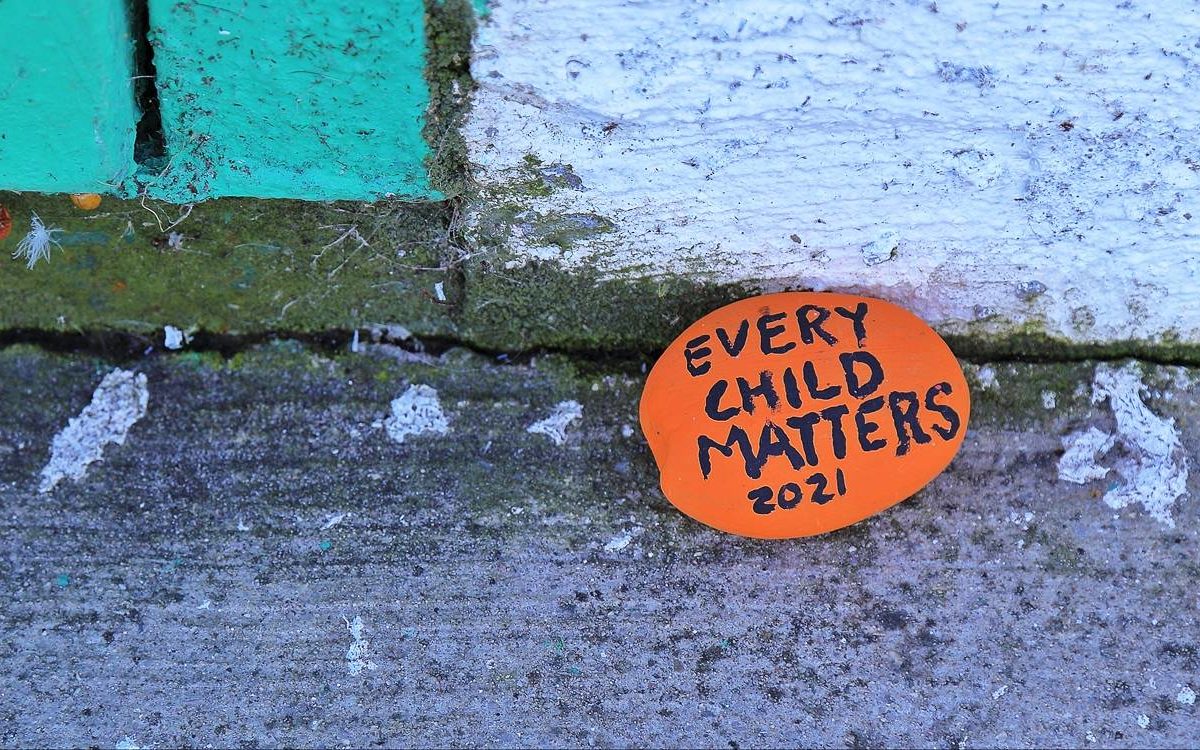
(260, 564)
(993, 166)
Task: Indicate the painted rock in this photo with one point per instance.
(794, 414)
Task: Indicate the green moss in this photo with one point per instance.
(1027, 343)
(1017, 393)
(232, 265)
(449, 26)
(541, 304)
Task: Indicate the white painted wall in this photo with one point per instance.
(1025, 162)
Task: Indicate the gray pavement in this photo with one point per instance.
(260, 563)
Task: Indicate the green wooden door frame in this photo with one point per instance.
(67, 113)
(313, 99)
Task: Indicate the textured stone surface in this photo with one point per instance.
(995, 167)
(260, 563)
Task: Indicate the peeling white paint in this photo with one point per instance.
(1143, 721)
(117, 403)
(174, 338)
(1049, 400)
(1186, 696)
(334, 520)
(357, 658)
(1083, 449)
(1037, 162)
(127, 743)
(1153, 466)
(555, 425)
(417, 411)
(623, 540)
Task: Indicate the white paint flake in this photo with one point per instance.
(555, 425)
(118, 402)
(1083, 449)
(1143, 721)
(1049, 400)
(417, 411)
(357, 658)
(999, 692)
(1037, 160)
(334, 520)
(1155, 468)
(1186, 696)
(174, 338)
(127, 743)
(622, 540)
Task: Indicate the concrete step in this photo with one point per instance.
(260, 561)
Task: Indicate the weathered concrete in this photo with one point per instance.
(260, 564)
(998, 168)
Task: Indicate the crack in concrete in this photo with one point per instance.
(123, 346)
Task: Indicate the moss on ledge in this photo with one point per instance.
(233, 265)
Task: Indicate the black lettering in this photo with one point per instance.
(762, 500)
(841, 482)
(811, 325)
(819, 496)
(948, 413)
(804, 425)
(810, 380)
(906, 415)
(766, 332)
(866, 427)
(854, 386)
(791, 389)
(858, 317)
(712, 403)
(765, 389)
(738, 437)
(734, 348)
(834, 415)
(774, 442)
(789, 496)
(695, 350)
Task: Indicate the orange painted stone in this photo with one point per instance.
(794, 414)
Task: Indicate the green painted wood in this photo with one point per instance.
(316, 99)
(67, 112)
